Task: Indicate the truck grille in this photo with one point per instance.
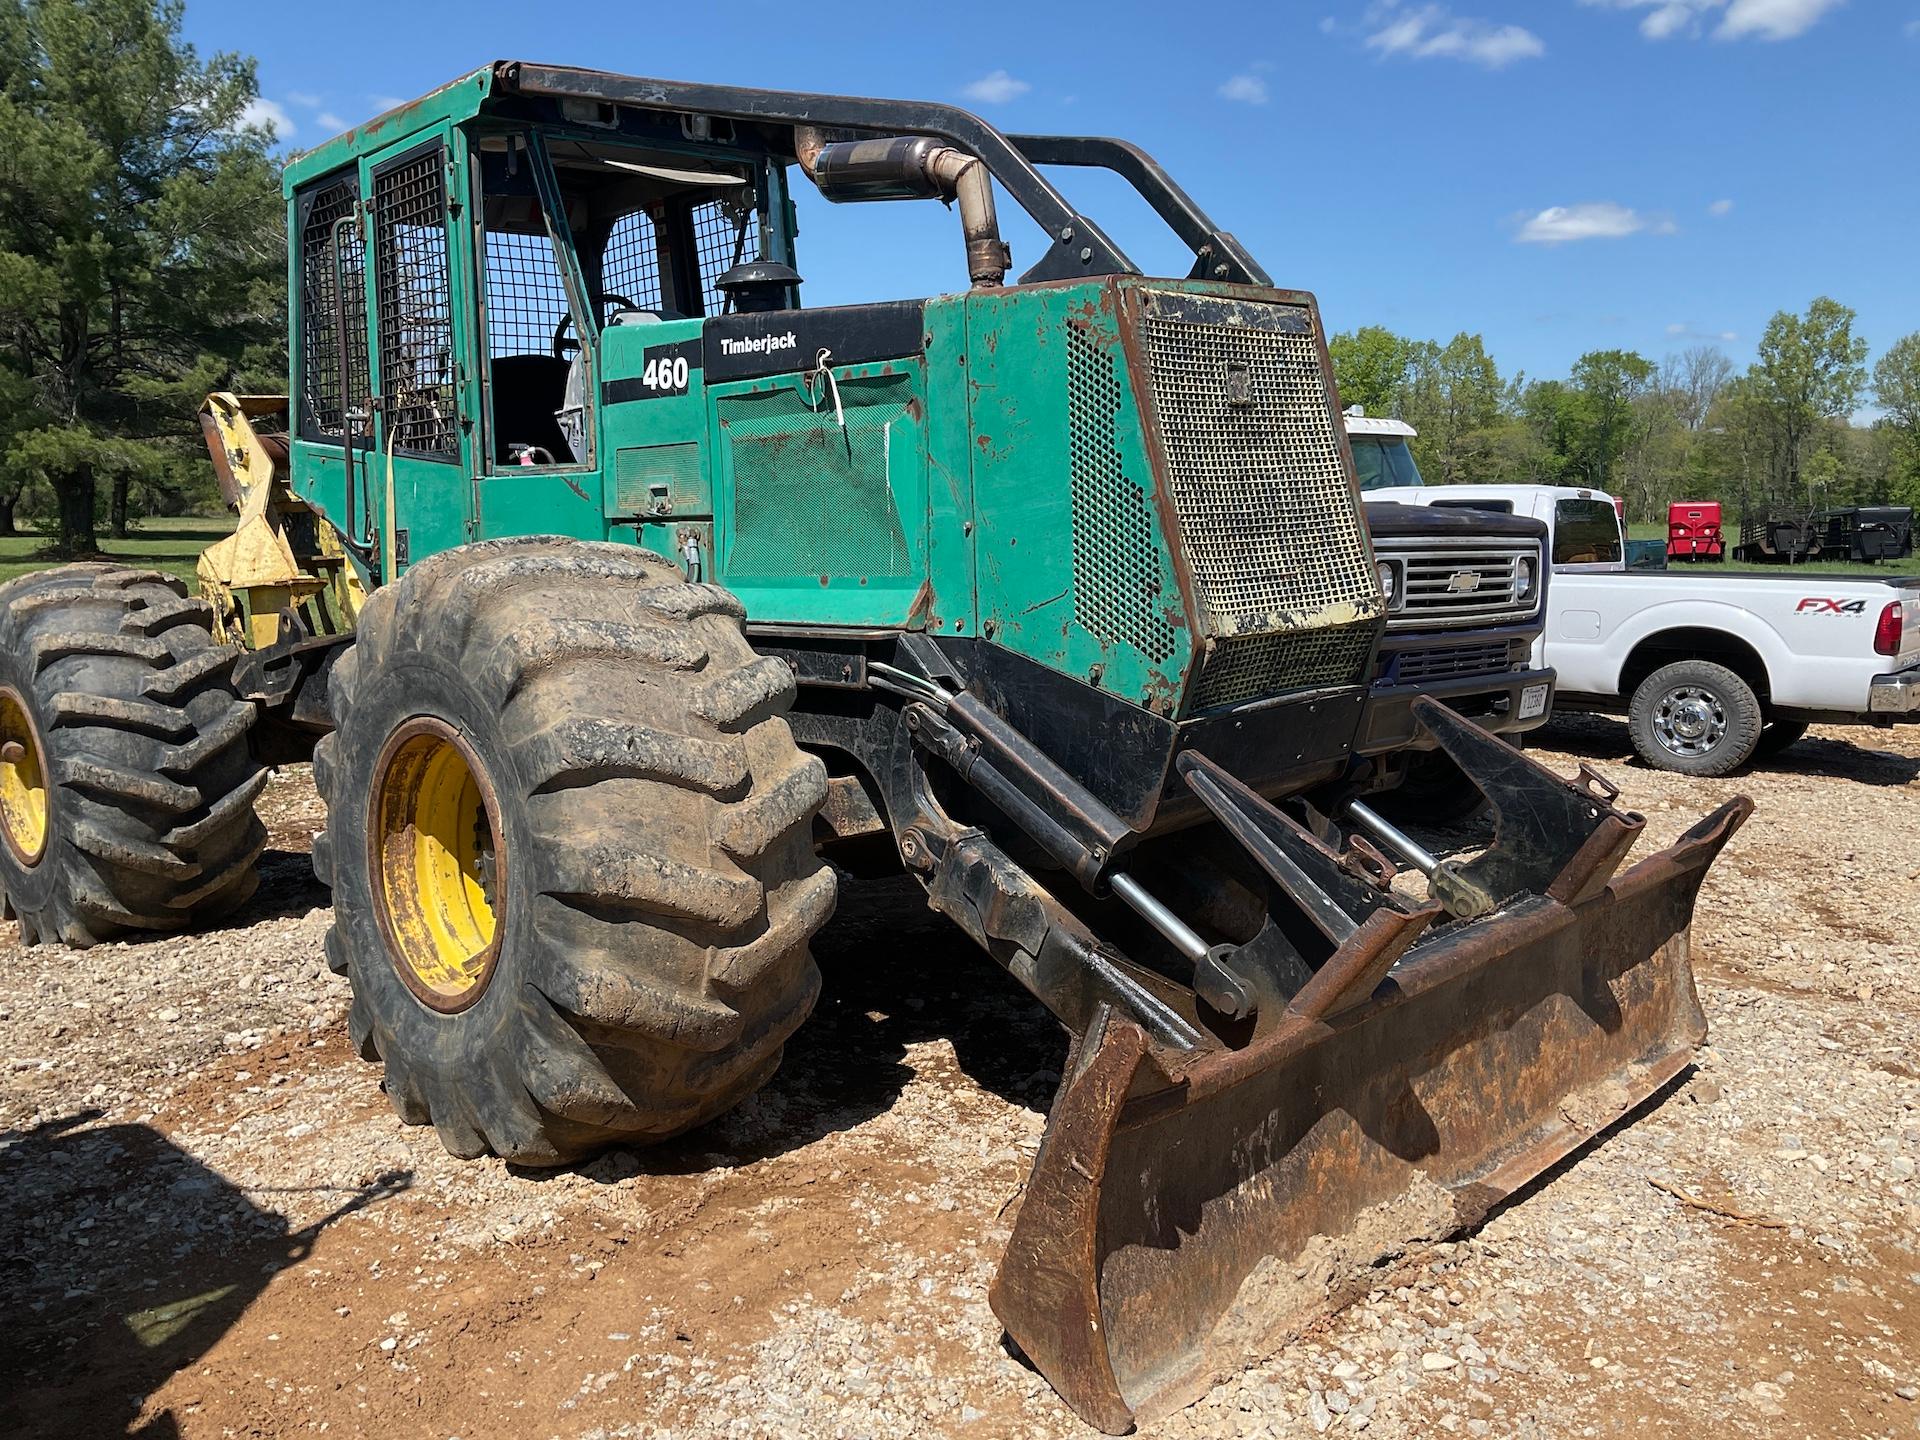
(1269, 520)
(1415, 667)
(1462, 586)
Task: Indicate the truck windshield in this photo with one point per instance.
(1384, 462)
(1585, 532)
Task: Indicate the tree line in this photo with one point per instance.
(1778, 436)
(142, 261)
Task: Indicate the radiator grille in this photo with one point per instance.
(1269, 520)
(1116, 568)
(1412, 667)
(416, 314)
(1251, 667)
(1474, 586)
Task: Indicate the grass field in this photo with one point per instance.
(1909, 566)
(171, 545)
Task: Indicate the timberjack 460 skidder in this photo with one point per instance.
(611, 590)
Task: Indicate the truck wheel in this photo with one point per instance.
(126, 785)
(1777, 736)
(569, 840)
(1695, 717)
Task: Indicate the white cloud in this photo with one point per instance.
(1433, 32)
(1595, 220)
(1248, 89)
(1719, 208)
(995, 89)
(1739, 19)
(268, 115)
(329, 121)
(1686, 330)
(383, 103)
(1771, 19)
(305, 99)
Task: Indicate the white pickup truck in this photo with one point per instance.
(1710, 670)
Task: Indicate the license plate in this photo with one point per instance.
(1533, 701)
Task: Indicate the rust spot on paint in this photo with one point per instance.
(575, 486)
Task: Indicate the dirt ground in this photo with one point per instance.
(211, 1223)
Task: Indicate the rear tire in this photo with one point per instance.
(1777, 736)
(1696, 718)
(126, 782)
(644, 850)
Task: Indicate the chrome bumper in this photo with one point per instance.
(1897, 694)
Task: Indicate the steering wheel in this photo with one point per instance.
(566, 346)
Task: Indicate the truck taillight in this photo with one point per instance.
(1886, 635)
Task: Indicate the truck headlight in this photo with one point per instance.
(1389, 584)
(1523, 578)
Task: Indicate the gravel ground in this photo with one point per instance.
(211, 1223)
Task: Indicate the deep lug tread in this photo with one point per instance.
(152, 779)
(663, 845)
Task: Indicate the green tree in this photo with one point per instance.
(1370, 367)
(1812, 368)
(1607, 384)
(1453, 399)
(1896, 384)
(142, 251)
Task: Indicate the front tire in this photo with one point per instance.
(1696, 718)
(569, 839)
(126, 782)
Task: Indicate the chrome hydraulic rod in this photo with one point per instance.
(1177, 932)
(1391, 835)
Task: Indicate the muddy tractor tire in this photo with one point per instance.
(126, 782)
(569, 839)
(1696, 718)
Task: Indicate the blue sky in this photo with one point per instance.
(1560, 175)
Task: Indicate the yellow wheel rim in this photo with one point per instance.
(23, 781)
(437, 862)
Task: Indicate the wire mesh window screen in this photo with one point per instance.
(630, 265)
(415, 308)
(526, 298)
(723, 237)
(321, 236)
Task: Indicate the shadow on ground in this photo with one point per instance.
(894, 974)
(1604, 737)
(123, 1260)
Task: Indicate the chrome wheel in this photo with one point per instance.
(1690, 720)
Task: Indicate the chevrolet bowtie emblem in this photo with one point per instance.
(1463, 580)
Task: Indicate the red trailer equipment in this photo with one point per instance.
(1693, 530)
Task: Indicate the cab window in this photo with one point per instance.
(1382, 463)
(1585, 532)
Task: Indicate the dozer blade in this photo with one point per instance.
(1183, 1220)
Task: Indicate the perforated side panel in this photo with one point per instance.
(319, 314)
(416, 316)
(1268, 519)
(813, 499)
(1116, 575)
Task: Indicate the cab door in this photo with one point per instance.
(417, 284)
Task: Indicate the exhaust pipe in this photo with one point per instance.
(912, 167)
